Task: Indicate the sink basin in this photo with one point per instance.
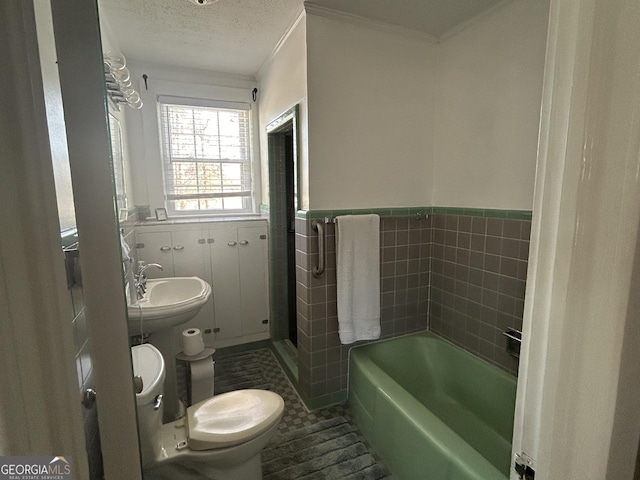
(168, 302)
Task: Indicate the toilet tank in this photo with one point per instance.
(149, 364)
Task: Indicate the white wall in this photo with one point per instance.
(488, 109)
(142, 125)
(283, 84)
(371, 114)
(388, 120)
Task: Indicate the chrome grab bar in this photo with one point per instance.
(318, 226)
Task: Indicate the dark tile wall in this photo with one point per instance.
(479, 268)
(405, 251)
(277, 238)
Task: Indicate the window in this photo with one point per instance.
(206, 149)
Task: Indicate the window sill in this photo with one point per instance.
(201, 219)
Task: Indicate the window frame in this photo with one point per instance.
(247, 174)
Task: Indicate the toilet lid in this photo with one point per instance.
(232, 418)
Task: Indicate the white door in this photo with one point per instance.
(577, 414)
(226, 282)
(252, 253)
(191, 258)
(190, 255)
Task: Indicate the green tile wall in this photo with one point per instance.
(398, 211)
(427, 279)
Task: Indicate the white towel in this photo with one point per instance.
(358, 277)
(125, 249)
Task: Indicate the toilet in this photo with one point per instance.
(219, 438)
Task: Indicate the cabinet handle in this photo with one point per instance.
(165, 248)
(232, 243)
(179, 247)
(244, 242)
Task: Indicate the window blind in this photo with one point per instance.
(207, 157)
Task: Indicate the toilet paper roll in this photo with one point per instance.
(192, 343)
(201, 379)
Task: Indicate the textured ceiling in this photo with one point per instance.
(236, 36)
(230, 36)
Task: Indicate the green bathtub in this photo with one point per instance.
(432, 410)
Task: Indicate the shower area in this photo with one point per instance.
(284, 202)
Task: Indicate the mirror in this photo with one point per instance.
(117, 159)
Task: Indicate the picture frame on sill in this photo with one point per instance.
(161, 214)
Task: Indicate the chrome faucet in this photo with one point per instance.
(141, 278)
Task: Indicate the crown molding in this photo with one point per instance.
(453, 31)
(368, 23)
(301, 14)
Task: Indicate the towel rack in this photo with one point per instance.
(416, 216)
(318, 270)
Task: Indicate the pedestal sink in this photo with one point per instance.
(167, 302)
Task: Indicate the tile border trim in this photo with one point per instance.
(409, 211)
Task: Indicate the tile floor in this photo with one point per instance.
(260, 369)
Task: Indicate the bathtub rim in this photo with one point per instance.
(424, 333)
(471, 453)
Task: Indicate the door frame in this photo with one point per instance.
(576, 410)
(278, 273)
(81, 71)
(40, 411)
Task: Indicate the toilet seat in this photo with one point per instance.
(232, 418)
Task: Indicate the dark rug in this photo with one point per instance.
(329, 449)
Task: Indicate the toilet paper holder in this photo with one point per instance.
(207, 352)
(198, 361)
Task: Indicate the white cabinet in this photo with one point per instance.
(155, 247)
(181, 253)
(239, 271)
(233, 258)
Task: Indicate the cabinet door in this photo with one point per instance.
(189, 254)
(157, 249)
(254, 302)
(226, 282)
(191, 259)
